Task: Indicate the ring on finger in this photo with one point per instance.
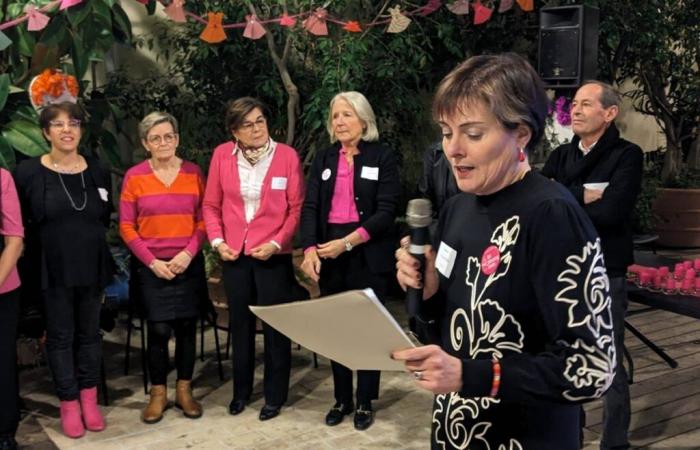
(418, 374)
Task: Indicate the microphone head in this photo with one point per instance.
(419, 213)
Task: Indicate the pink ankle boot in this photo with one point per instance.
(71, 422)
(91, 412)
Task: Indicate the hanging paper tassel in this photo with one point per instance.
(460, 7)
(287, 21)
(253, 28)
(353, 26)
(68, 3)
(214, 32)
(176, 12)
(37, 21)
(399, 22)
(505, 5)
(482, 13)
(143, 2)
(316, 23)
(4, 41)
(526, 5)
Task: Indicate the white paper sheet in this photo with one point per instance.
(352, 328)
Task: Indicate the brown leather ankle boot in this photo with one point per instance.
(183, 400)
(158, 403)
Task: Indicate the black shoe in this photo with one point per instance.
(236, 407)
(364, 417)
(8, 443)
(337, 412)
(269, 412)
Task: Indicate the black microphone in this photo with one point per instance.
(419, 215)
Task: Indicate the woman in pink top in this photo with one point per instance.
(251, 208)
(11, 245)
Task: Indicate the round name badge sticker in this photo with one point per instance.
(490, 260)
(326, 174)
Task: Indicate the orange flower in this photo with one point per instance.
(353, 26)
(52, 83)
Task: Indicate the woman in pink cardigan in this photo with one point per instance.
(251, 209)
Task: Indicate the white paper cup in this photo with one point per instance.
(596, 186)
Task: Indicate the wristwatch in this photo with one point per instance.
(348, 245)
(215, 243)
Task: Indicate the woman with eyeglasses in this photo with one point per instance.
(66, 204)
(160, 219)
(251, 209)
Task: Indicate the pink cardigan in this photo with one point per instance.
(277, 216)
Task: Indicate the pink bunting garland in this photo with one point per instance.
(175, 11)
(36, 20)
(482, 13)
(460, 7)
(68, 3)
(505, 6)
(316, 23)
(287, 21)
(253, 29)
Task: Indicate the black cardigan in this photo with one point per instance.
(31, 185)
(612, 160)
(376, 201)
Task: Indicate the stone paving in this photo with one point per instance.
(402, 419)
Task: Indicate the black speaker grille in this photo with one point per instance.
(559, 56)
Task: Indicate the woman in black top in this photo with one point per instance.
(66, 203)
(347, 225)
(527, 332)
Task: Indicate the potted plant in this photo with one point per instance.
(664, 63)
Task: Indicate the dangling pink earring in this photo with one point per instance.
(521, 155)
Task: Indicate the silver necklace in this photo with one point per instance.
(70, 198)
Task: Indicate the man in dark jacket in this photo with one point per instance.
(604, 173)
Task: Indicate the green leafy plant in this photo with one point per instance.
(75, 40)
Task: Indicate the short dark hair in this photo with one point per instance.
(506, 84)
(50, 112)
(609, 96)
(241, 107)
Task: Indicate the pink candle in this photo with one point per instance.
(697, 285)
(690, 274)
(670, 286)
(688, 264)
(687, 286)
(663, 271)
(658, 281)
(696, 264)
(645, 278)
(678, 271)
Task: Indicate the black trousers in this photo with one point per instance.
(73, 322)
(9, 387)
(185, 344)
(248, 281)
(349, 271)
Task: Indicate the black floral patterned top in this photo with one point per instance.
(524, 279)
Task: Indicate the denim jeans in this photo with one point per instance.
(616, 403)
(73, 342)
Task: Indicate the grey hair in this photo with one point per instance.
(364, 111)
(609, 95)
(153, 119)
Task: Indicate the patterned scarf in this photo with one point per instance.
(253, 155)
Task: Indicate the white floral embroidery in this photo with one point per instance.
(591, 369)
(489, 330)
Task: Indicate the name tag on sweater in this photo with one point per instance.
(370, 173)
(445, 259)
(279, 183)
(104, 195)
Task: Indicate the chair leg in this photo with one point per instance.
(201, 339)
(228, 342)
(315, 361)
(218, 346)
(144, 357)
(127, 349)
(103, 382)
(655, 348)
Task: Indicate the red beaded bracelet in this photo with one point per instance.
(496, 378)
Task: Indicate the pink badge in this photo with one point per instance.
(490, 260)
